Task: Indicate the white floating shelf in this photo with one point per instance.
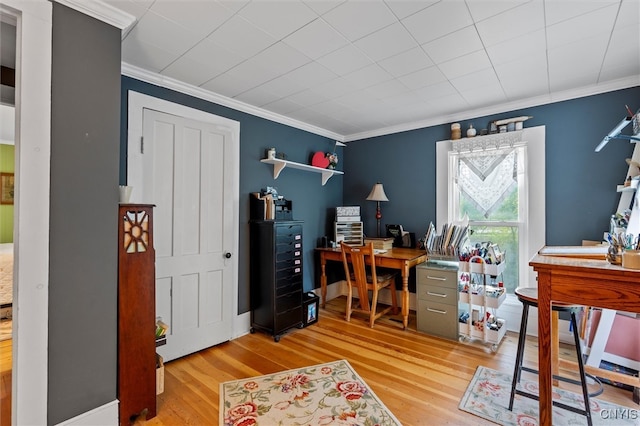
(279, 165)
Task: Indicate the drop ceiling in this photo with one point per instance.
(358, 68)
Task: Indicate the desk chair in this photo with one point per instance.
(362, 274)
(529, 297)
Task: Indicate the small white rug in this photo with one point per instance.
(488, 397)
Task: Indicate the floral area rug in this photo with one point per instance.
(324, 394)
(488, 397)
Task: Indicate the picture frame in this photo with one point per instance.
(7, 188)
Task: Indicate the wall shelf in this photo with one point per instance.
(279, 165)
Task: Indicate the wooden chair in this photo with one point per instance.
(359, 266)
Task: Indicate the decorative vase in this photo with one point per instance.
(471, 132)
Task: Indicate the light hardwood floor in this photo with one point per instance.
(419, 378)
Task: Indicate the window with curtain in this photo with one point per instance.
(488, 181)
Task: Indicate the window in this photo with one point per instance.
(488, 186)
(498, 181)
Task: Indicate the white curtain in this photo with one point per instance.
(487, 168)
(488, 177)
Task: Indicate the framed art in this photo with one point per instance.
(6, 188)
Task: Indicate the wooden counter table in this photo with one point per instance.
(578, 281)
(402, 259)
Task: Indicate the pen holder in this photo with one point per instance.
(631, 259)
(614, 254)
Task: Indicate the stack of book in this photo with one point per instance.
(450, 242)
(380, 243)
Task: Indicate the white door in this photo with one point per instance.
(186, 172)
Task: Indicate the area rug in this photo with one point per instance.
(324, 394)
(488, 397)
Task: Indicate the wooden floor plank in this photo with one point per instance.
(420, 378)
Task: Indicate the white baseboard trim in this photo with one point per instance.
(106, 415)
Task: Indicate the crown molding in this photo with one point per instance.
(188, 89)
(623, 83)
(102, 11)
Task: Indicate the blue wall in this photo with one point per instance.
(312, 202)
(580, 183)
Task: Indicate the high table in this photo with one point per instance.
(578, 281)
(402, 259)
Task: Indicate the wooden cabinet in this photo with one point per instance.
(276, 276)
(136, 313)
(437, 294)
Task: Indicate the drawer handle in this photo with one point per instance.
(296, 270)
(437, 311)
(436, 278)
(297, 245)
(296, 262)
(436, 294)
(297, 237)
(296, 253)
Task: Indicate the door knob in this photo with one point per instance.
(227, 255)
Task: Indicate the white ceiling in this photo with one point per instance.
(358, 68)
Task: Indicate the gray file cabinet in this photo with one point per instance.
(437, 294)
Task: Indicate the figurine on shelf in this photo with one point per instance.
(333, 160)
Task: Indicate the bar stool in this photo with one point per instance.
(529, 297)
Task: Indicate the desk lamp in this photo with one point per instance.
(377, 194)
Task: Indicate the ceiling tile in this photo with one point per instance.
(278, 18)
(484, 77)
(348, 18)
(316, 39)
(283, 86)
(512, 23)
(309, 97)
(145, 55)
(190, 71)
(629, 14)
(438, 20)
(518, 47)
(404, 8)
(213, 57)
(558, 11)
(240, 37)
(463, 65)
(482, 96)
(564, 75)
(481, 10)
(386, 42)
(311, 74)
(165, 34)
(387, 89)
(337, 87)
(201, 17)
(345, 60)
(227, 84)
(623, 54)
(257, 96)
(278, 59)
(526, 76)
(368, 76)
(453, 45)
(422, 78)
(436, 91)
(582, 27)
(282, 106)
(406, 62)
(322, 6)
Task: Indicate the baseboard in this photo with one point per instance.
(106, 415)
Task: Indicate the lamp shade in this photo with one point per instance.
(377, 193)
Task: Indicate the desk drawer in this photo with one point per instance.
(437, 277)
(431, 293)
(438, 319)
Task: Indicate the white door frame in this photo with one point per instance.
(137, 103)
(31, 250)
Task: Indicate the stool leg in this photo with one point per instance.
(520, 354)
(583, 378)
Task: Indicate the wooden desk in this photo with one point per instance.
(397, 258)
(578, 281)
